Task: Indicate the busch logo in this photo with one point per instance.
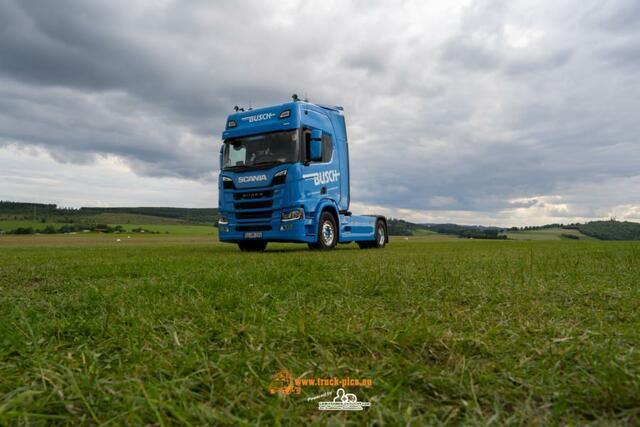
(324, 177)
(252, 178)
(258, 117)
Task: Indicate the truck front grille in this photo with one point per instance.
(253, 195)
(254, 205)
(253, 215)
(253, 209)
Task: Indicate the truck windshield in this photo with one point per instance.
(261, 150)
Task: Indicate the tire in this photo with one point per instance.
(327, 232)
(380, 237)
(257, 246)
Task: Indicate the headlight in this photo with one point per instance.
(223, 220)
(227, 183)
(292, 215)
(279, 178)
(285, 114)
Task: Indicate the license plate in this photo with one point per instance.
(253, 235)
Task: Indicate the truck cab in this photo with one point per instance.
(284, 177)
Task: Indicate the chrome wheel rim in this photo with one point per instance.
(327, 233)
(381, 236)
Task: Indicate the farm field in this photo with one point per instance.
(174, 228)
(546, 234)
(177, 229)
(181, 329)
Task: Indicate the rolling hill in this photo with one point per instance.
(38, 215)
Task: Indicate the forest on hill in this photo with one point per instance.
(609, 230)
(53, 213)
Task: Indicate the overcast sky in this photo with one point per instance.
(496, 112)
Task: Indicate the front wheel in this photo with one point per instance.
(327, 233)
(258, 246)
(380, 237)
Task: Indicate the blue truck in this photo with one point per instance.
(284, 177)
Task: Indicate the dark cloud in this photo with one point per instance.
(625, 54)
(614, 15)
(493, 107)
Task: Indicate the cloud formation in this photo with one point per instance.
(506, 112)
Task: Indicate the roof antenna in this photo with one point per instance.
(250, 106)
(295, 97)
(306, 99)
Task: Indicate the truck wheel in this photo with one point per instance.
(327, 232)
(252, 246)
(380, 237)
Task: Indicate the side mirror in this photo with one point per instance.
(315, 146)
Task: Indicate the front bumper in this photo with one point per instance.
(300, 231)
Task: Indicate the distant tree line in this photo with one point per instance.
(32, 211)
(609, 230)
(51, 212)
(602, 230)
(399, 227)
(22, 208)
(192, 215)
(536, 227)
(468, 231)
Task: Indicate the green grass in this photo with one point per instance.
(546, 234)
(427, 237)
(183, 330)
(176, 228)
(423, 232)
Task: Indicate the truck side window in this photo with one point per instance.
(307, 141)
(327, 148)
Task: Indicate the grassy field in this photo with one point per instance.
(175, 228)
(166, 330)
(546, 234)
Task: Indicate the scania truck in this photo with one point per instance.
(284, 177)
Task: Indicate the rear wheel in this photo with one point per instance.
(327, 233)
(257, 246)
(380, 237)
